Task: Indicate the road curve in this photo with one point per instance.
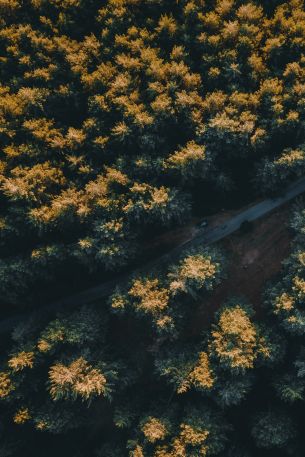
(203, 238)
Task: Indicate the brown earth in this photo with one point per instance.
(254, 259)
(174, 237)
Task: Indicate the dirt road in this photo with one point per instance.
(203, 237)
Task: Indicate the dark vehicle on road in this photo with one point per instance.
(246, 226)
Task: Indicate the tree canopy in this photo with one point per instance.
(116, 116)
(120, 120)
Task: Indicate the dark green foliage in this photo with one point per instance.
(160, 296)
(116, 118)
(233, 389)
(192, 431)
(119, 120)
(273, 429)
(289, 388)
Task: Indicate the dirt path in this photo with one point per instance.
(254, 259)
(196, 238)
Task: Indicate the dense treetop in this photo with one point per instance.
(120, 119)
(114, 115)
(128, 376)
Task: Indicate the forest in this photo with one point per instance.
(121, 121)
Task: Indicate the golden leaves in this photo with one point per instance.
(118, 302)
(6, 385)
(288, 158)
(43, 129)
(284, 302)
(257, 63)
(189, 437)
(197, 270)
(250, 12)
(9, 5)
(202, 374)
(21, 416)
(192, 152)
(167, 24)
(21, 360)
(33, 184)
(152, 298)
(299, 286)
(137, 451)
(154, 430)
(43, 345)
(192, 435)
(234, 339)
(77, 379)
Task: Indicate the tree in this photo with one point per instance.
(273, 430)
(236, 342)
(76, 379)
(199, 431)
(199, 269)
(187, 369)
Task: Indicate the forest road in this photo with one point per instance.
(203, 237)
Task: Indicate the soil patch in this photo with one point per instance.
(255, 258)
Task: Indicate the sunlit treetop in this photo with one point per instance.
(123, 111)
(236, 341)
